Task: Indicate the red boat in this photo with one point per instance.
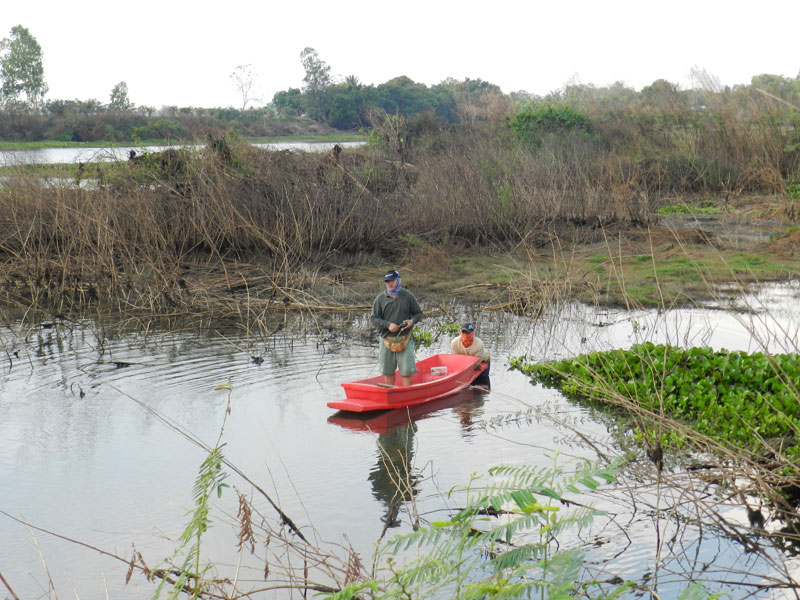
(437, 376)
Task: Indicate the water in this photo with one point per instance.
(81, 458)
(121, 153)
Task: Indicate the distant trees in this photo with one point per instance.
(346, 104)
(784, 88)
(21, 69)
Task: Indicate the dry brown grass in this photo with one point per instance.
(233, 229)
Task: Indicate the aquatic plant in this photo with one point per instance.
(741, 398)
(425, 338)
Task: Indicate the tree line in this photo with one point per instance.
(322, 104)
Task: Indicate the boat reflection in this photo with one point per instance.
(393, 478)
(387, 421)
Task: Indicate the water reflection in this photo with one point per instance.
(394, 480)
(465, 403)
(121, 153)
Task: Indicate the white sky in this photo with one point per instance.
(174, 52)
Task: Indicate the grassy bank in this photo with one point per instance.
(308, 138)
(41, 145)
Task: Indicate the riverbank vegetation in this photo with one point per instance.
(511, 205)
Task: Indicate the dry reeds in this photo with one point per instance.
(232, 228)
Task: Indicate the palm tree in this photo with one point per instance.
(352, 81)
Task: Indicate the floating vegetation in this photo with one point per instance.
(736, 397)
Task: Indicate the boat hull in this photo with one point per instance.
(428, 384)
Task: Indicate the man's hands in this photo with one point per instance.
(395, 327)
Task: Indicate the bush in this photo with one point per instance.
(531, 124)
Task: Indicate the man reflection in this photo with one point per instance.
(467, 412)
(393, 480)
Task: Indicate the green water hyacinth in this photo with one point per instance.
(736, 397)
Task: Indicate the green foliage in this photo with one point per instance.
(288, 102)
(426, 338)
(344, 112)
(650, 438)
(498, 180)
(503, 544)
(404, 96)
(793, 190)
(21, 70)
(531, 124)
(318, 73)
(210, 480)
(354, 590)
(452, 328)
(505, 198)
(788, 231)
(423, 339)
(734, 397)
(696, 592)
(162, 129)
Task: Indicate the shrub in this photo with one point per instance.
(530, 125)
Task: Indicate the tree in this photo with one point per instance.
(402, 95)
(244, 78)
(318, 73)
(119, 97)
(21, 68)
(317, 79)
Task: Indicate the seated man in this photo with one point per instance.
(469, 343)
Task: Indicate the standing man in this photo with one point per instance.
(394, 313)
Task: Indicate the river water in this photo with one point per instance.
(81, 458)
(121, 153)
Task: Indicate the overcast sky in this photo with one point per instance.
(174, 52)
